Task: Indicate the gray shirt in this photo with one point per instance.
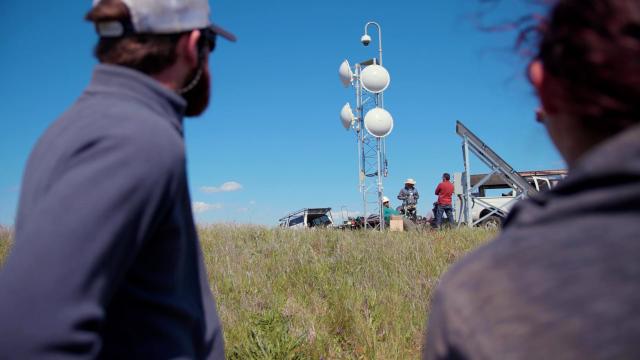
(409, 196)
(106, 261)
(562, 281)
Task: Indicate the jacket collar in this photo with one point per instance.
(113, 79)
(605, 178)
(619, 154)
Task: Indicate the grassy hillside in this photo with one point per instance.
(325, 294)
(5, 242)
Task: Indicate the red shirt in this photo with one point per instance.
(444, 192)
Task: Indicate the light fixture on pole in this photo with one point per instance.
(370, 80)
(366, 39)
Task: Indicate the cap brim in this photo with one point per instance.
(224, 33)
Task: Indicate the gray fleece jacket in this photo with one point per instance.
(106, 261)
(562, 281)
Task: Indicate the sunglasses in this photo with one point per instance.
(541, 116)
(208, 38)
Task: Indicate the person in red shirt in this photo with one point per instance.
(444, 192)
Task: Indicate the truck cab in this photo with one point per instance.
(308, 218)
(495, 197)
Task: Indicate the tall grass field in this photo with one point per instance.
(5, 244)
(324, 294)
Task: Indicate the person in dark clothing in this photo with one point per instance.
(106, 261)
(561, 280)
(444, 190)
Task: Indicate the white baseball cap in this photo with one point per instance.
(410, 182)
(385, 199)
(163, 17)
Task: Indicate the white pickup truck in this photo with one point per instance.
(498, 197)
(308, 218)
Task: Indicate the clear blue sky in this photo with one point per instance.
(273, 127)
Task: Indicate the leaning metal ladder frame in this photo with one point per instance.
(472, 143)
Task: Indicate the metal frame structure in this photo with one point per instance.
(372, 158)
(472, 144)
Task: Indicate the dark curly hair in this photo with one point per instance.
(591, 48)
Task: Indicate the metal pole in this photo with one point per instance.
(380, 188)
(384, 157)
(467, 187)
(364, 185)
(359, 127)
(366, 26)
(361, 139)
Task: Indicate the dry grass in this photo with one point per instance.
(327, 294)
(5, 243)
(324, 294)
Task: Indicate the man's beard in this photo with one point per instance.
(198, 97)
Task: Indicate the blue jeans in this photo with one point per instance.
(447, 209)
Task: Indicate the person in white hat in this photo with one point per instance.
(387, 210)
(409, 196)
(107, 262)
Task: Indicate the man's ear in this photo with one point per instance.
(188, 48)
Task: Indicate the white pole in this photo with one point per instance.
(467, 188)
(380, 188)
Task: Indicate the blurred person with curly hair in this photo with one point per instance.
(562, 279)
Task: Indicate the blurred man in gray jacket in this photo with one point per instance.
(106, 261)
